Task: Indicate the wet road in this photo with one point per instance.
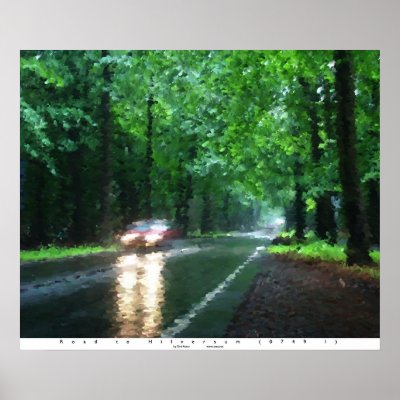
(189, 290)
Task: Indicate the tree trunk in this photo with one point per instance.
(325, 224)
(78, 223)
(128, 200)
(147, 208)
(185, 191)
(374, 210)
(299, 204)
(206, 216)
(325, 217)
(290, 220)
(373, 185)
(358, 243)
(38, 235)
(184, 196)
(106, 156)
(226, 212)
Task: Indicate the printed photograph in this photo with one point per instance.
(199, 194)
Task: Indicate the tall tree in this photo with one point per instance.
(299, 203)
(325, 225)
(358, 242)
(148, 163)
(106, 150)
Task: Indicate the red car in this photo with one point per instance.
(149, 233)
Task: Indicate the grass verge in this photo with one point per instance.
(318, 250)
(53, 252)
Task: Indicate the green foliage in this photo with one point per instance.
(318, 250)
(53, 252)
(288, 234)
(228, 129)
(376, 256)
(310, 204)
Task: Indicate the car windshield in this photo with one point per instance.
(141, 226)
(159, 227)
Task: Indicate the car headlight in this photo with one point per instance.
(152, 237)
(128, 237)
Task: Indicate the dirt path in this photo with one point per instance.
(293, 299)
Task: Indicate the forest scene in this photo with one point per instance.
(199, 193)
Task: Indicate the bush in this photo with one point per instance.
(285, 238)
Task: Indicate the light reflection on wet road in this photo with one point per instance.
(134, 295)
(140, 294)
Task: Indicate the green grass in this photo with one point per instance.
(320, 250)
(371, 271)
(53, 252)
(316, 250)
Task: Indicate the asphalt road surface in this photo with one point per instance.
(191, 289)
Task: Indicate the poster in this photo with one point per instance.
(200, 199)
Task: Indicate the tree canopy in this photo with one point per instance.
(213, 139)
